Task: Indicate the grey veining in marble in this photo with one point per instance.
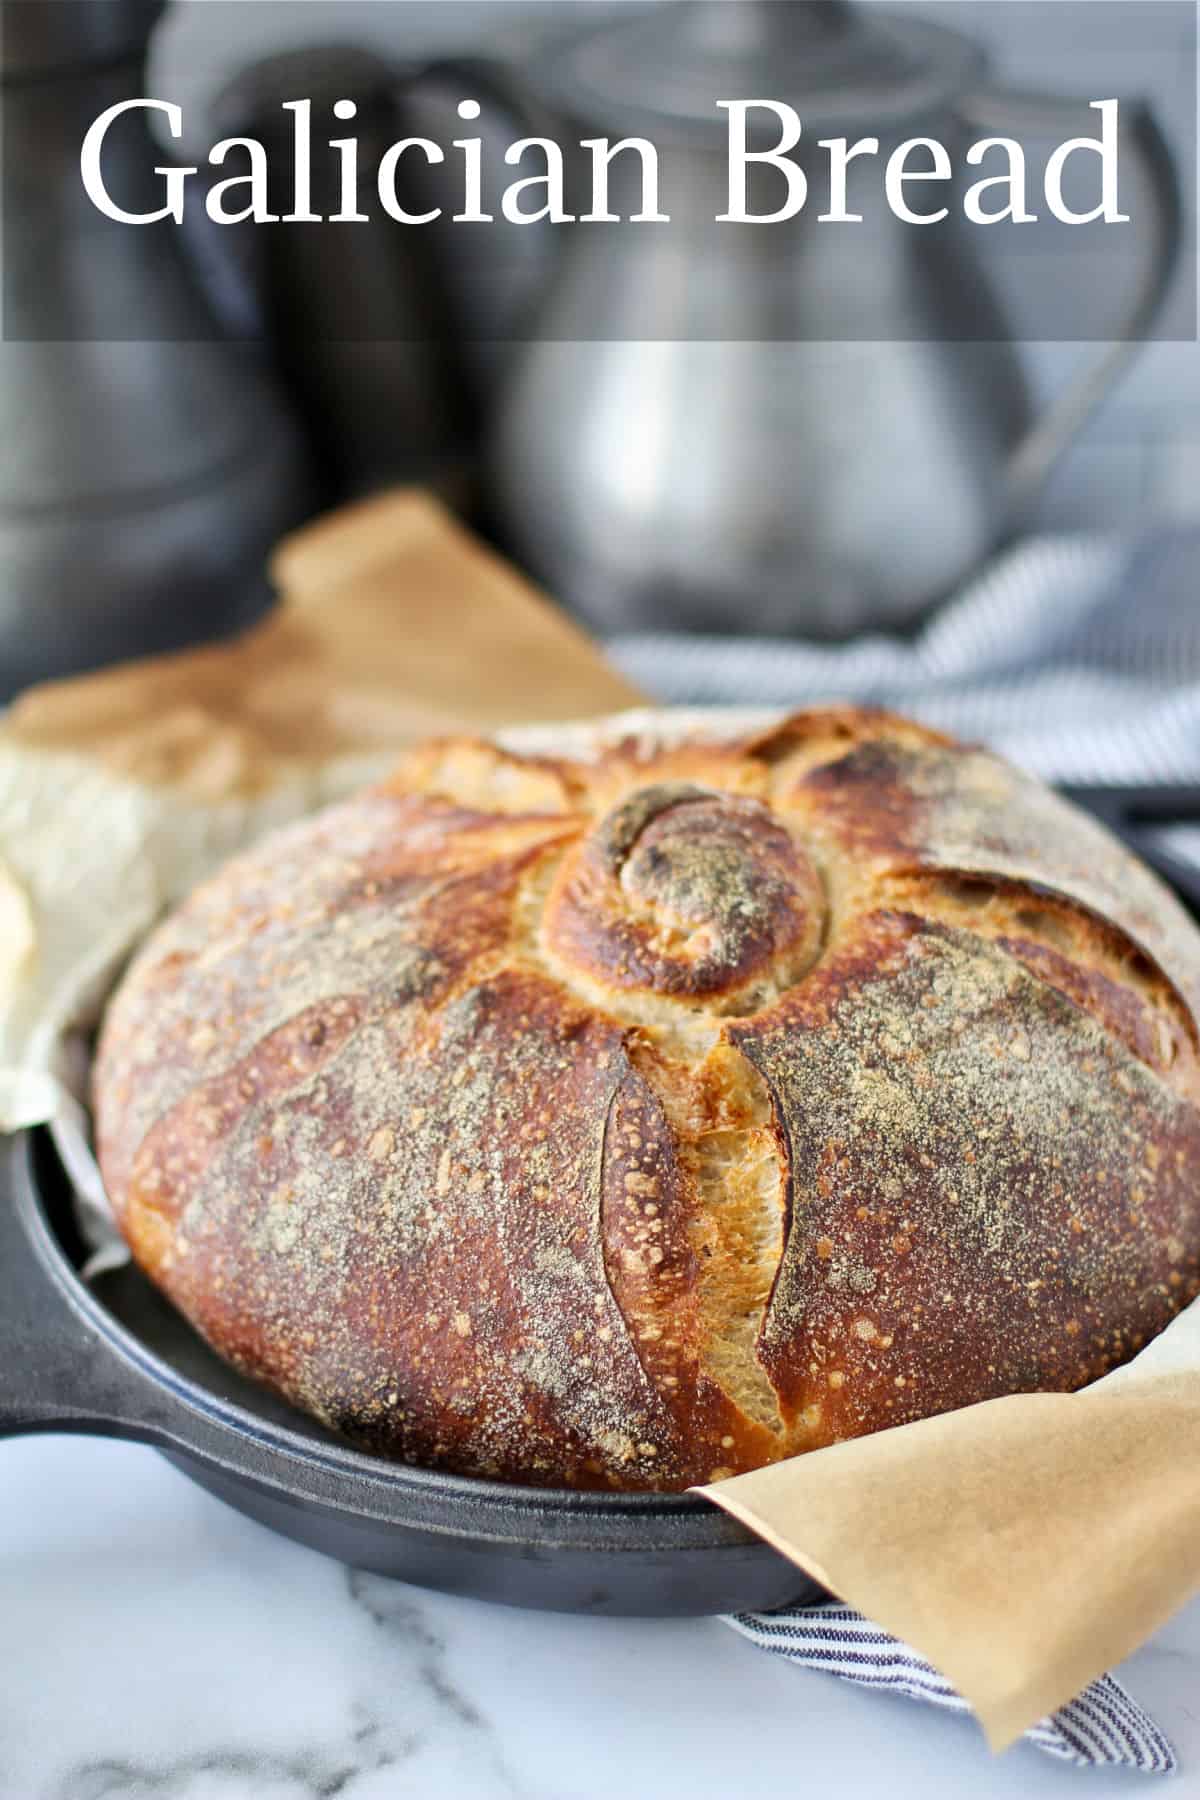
(155, 1646)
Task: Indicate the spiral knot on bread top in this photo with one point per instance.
(688, 893)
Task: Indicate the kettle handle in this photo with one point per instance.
(1011, 110)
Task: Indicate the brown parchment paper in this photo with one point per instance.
(119, 790)
(396, 623)
(1024, 1545)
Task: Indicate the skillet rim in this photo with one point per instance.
(273, 1455)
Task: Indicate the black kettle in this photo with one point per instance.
(148, 465)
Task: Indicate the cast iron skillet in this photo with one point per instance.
(114, 1358)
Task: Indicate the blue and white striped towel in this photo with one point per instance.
(1079, 658)
(1104, 1724)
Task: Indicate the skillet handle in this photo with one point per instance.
(63, 1368)
(1131, 813)
(58, 1371)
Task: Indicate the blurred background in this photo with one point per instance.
(1139, 452)
(813, 440)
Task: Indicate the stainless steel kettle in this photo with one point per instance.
(818, 431)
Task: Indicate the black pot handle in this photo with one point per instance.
(58, 1370)
(65, 1367)
(1133, 812)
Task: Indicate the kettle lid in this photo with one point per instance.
(836, 63)
(37, 38)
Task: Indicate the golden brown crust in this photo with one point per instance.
(989, 1192)
(636, 1119)
(894, 806)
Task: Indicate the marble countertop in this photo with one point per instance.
(156, 1646)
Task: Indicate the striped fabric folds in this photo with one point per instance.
(1104, 1725)
(1076, 656)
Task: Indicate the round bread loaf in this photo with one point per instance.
(638, 1117)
